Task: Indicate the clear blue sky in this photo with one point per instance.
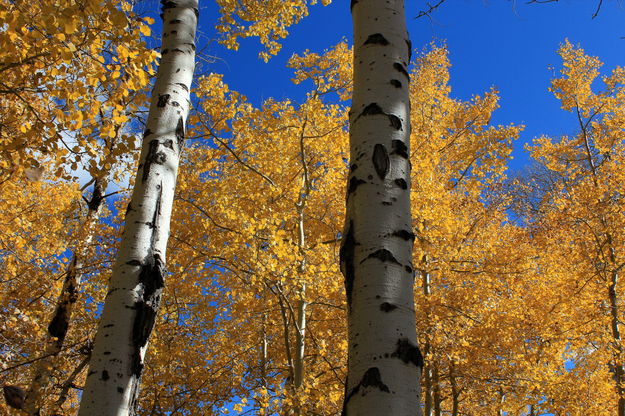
(506, 44)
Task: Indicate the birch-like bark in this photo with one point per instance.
(384, 361)
(59, 324)
(132, 302)
(300, 335)
(428, 408)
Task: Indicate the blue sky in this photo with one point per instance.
(507, 44)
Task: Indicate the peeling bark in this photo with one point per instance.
(376, 248)
(132, 302)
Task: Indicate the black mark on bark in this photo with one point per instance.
(353, 184)
(155, 216)
(372, 109)
(404, 234)
(153, 156)
(163, 99)
(401, 68)
(408, 352)
(183, 86)
(395, 121)
(96, 197)
(401, 183)
(383, 255)
(180, 133)
(387, 307)
(105, 375)
(409, 45)
(346, 256)
(169, 144)
(152, 279)
(396, 83)
(376, 39)
(380, 160)
(371, 378)
(399, 148)
(168, 4)
(60, 322)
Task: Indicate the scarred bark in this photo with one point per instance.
(384, 361)
(132, 302)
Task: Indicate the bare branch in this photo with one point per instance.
(430, 9)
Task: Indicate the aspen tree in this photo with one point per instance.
(384, 361)
(132, 301)
(59, 324)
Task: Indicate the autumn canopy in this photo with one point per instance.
(169, 246)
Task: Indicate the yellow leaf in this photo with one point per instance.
(145, 30)
(69, 26)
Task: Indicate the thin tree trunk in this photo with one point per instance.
(427, 381)
(59, 324)
(427, 377)
(619, 368)
(438, 400)
(502, 398)
(455, 392)
(384, 361)
(286, 335)
(132, 302)
(300, 336)
(263, 352)
(69, 383)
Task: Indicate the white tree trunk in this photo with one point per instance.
(138, 275)
(384, 362)
(59, 324)
(302, 304)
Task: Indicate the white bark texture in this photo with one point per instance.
(137, 281)
(384, 363)
(302, 304)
